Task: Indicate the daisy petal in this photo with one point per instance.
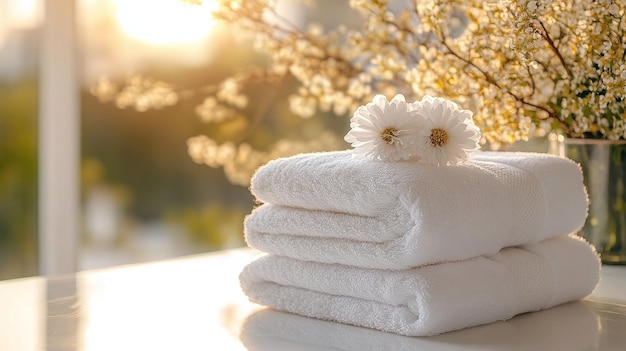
(385, 130)
(450, 133)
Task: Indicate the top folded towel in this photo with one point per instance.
(431, 214)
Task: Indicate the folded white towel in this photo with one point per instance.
(432, 299)
(334, 208)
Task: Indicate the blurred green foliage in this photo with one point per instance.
(141, 156)
(18, 179)
(216, 225)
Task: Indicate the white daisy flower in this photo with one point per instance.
(448, 135)
(384, 130)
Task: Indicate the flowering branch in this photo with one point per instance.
(519, 64)
(546, 35)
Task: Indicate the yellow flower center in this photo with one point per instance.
(389, 135)
(438, 137)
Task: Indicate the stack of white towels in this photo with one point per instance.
(418, 250)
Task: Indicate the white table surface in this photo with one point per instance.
(194, 303)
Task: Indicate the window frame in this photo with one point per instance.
(59, 140)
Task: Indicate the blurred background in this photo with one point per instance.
(142, 197)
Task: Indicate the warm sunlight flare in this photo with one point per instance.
(165, 22)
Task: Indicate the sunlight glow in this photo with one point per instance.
(180, 304)
(22, 14)
(165, 22)
(19, 15)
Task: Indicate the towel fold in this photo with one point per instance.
(431, 299)
(334, 208)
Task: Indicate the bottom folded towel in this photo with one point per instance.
(433, 299)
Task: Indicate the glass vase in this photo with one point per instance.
(603, 164)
